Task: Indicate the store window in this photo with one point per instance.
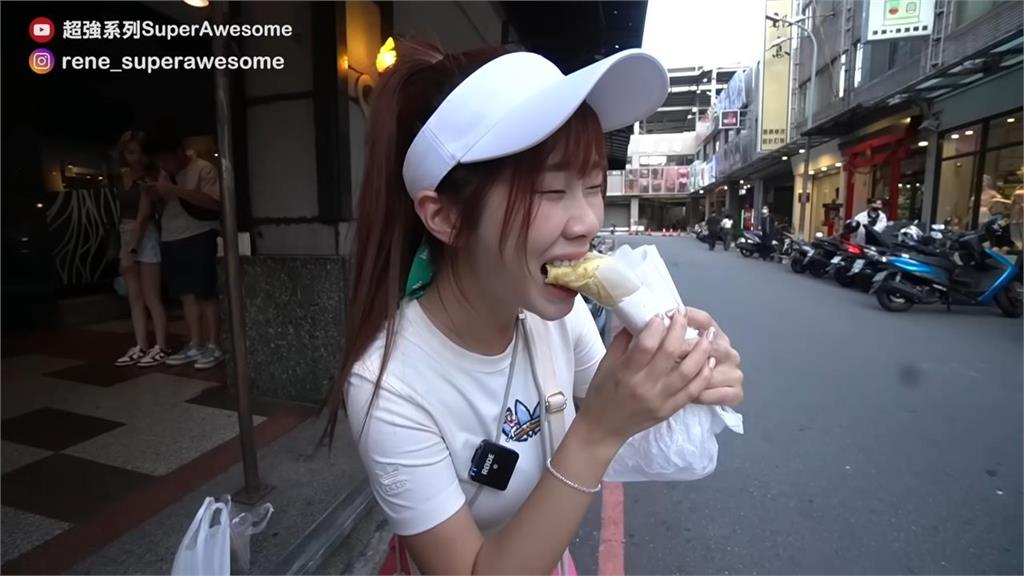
(969, 11)
(910, 186)
(978, 178)
(858, 71)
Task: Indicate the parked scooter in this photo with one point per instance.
(971, 274)
(861, 262)
(817, 257)
(749, 243)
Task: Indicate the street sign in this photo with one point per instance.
(888, 19)
(729, 119)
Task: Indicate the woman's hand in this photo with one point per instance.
(645, 379)
(726, 386)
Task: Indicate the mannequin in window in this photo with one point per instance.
(1017, 212)
(992, 202)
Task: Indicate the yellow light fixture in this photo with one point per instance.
(969, 133)
(39, 205)
(387, 56)
(198, 3)
(954, 136)
(839, 164)
(801, 151)
(922, 143)
(906, 120)
(810, 171)
(785, 157)
(1011, 120)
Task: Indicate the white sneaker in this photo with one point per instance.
(132, 356)
(212, 356)
(187, 355)
(156, 355)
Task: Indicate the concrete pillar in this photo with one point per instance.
(634, 211)
(930, 185)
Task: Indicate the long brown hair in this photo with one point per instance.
(388, 230)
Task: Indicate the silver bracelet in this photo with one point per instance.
(570, 483)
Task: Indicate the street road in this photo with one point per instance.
(875, 442)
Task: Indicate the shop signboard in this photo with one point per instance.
(774, 116)
(729, 119)
(657, 180)
(888, 19)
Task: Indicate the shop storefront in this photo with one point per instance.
(886, 162)
(826, 188)
(979, 170)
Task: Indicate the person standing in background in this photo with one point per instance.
(726, 231)
(766, 223)
(190, 227)
(873, 217)
(140, 251)
(714, 224)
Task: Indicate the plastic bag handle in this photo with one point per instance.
(204, 528)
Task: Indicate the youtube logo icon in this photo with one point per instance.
(41, 30)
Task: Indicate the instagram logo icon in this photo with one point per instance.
(41, 61)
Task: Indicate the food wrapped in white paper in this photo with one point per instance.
(636, 285)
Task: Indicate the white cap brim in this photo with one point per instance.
(481, 120)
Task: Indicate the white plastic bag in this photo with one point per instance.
(243, 527)
(206, 548)
(683, 447)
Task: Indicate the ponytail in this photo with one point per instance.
(388, 230)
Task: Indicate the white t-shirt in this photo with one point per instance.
(436, 403)
(176, 223)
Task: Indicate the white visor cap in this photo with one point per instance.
(518, 100)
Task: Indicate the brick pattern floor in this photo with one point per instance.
(79, 434)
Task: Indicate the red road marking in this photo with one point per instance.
(611, 558)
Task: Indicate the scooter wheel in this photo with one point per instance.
(1009, 300)
(747, 253)
(796, 264)
(817, 271)
(892, 300)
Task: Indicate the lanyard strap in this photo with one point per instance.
(508, 390)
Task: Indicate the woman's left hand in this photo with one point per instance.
(726, 386)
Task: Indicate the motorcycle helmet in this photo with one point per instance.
(910, 234)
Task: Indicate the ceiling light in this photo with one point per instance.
(616, 46)
(922, 143)
(969, 133)
(1011, 119)
(954, 136)
(198, 3)
(839, 164)
(801, 151)
(741, 181)
(810, 171)
(215, 155)
(785, 157)
(39, 205)
(900, 185)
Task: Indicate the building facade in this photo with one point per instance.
(924, 114)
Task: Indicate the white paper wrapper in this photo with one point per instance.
(684, 446)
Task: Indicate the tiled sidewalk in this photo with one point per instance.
(80, 435)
